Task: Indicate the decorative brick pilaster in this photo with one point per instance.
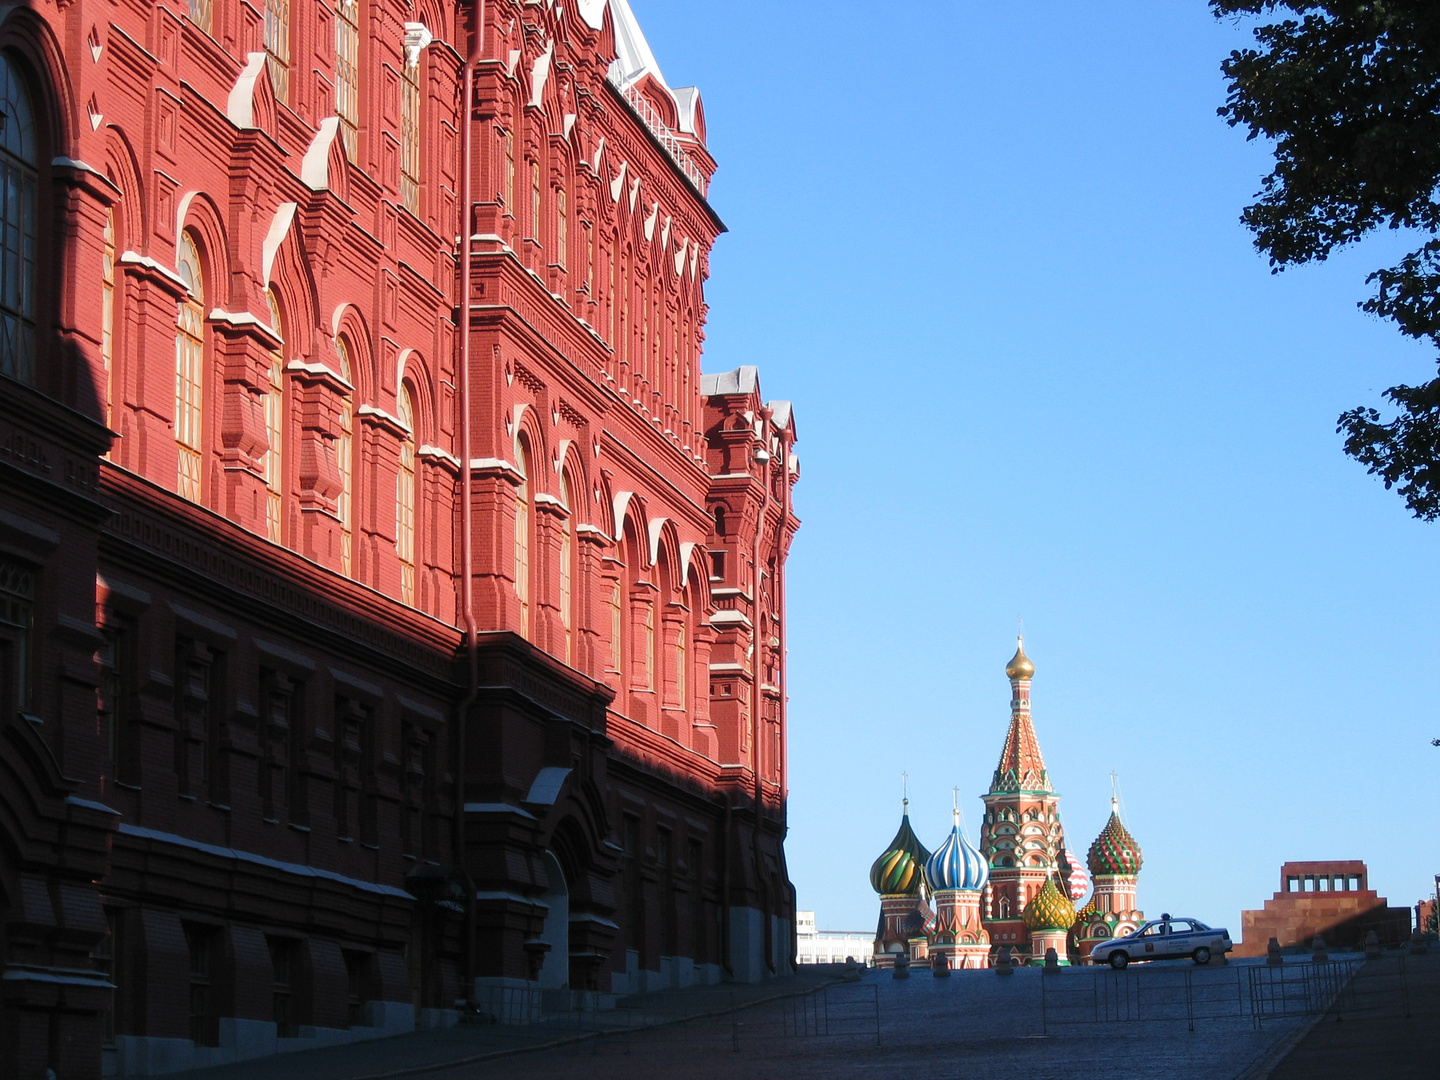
(321, 395)
(243, 346)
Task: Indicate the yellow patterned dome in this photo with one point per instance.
(1049, 909)
(1020, 666)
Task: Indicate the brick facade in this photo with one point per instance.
(1332, 899)
(279, 762)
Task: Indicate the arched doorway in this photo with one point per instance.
(555, 970)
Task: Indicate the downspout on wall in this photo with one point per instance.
(785, 451)
(757, 646)
(467, 475)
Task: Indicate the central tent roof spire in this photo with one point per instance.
(1021, 767)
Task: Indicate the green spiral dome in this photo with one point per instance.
(1049, 909)
(1115, 851)
(901, 869)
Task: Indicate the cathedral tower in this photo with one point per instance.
(898, 875)
(1115, 861)
(1022, 837)
(957, 874)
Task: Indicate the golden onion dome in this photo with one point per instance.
(1020, 666)
(1049, 909)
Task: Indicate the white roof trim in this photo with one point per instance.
(743, 380)
(546, 788)
(657, 525)
(622, 503)
(315, 166)
(687, 551)
(240, 107)
(540, 75)
(592, 12)
(298, 869)
(633, 58)
(279, 226)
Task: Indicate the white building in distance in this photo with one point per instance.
(814, 946)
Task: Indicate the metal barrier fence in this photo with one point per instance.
(715, 1015)
(727, 1018)
(1288, 990)
(509, 1005)
(1378, 987)
(1194, 995)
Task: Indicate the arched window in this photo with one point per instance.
(410, 135)
(200, 14)
(649, 646)
(347, 71)
(277, 46)
(567, 567)
(614, 297)
(522, 534)
(562, 228)
(190, 371)
(405, 500)
(107, 313)
(536, 202)
(589, 259)
(275, 428)
(19, 175)
(509, 192)
(617, 628)
(681, 659)
(642, 353)
(344, 456)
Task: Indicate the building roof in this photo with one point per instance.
(743, 380)
(634, 60)
(1021, 768)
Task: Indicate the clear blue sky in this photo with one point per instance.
(992, 253)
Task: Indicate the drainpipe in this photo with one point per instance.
(762, 458)
(725, 961)
(467, 478)
(785, 451)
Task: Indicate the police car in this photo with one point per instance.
(1165, 938)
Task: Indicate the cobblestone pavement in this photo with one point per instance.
(971, 1025)
(1367, 1035)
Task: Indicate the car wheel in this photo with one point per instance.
(1201, 955)
(1118, 961)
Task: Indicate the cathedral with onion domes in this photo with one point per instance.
(1020, 887)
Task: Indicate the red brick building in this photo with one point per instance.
(1332, 899)
(386, 619)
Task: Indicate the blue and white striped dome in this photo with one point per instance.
(956, 865)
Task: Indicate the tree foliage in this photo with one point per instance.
(1349, 92)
